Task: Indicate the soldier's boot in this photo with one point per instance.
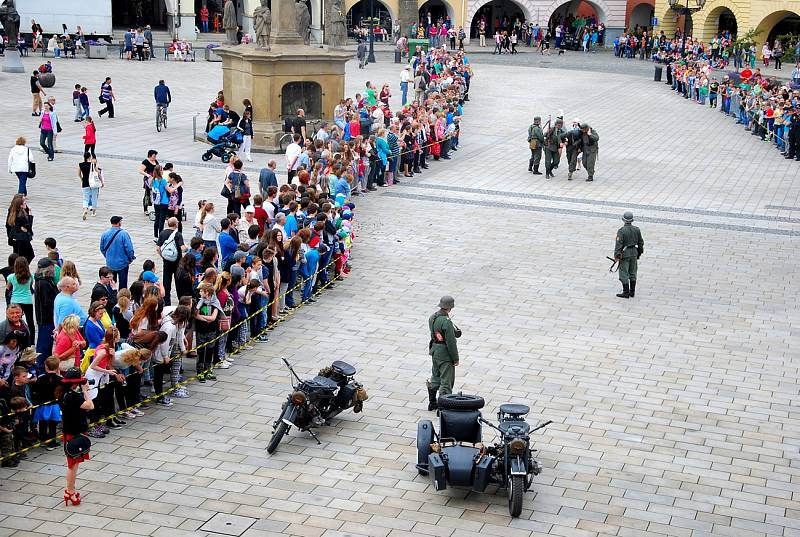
(626, 291)
(536, 171)
(530, 164)
(633, 288)
(432, 405)
(590, 179)
(569, 176)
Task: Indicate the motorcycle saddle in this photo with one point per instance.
(323, 383)
(514, 409)
(515, 426)
(343, 368)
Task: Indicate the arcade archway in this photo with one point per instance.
(777, 24)
(434, 11)
(640, 16)
(575, 14)
(366, 9)
(498, 15)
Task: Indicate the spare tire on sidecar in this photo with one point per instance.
(456, 456)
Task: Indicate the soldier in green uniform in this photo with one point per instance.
(573, 139)
(553, 142)
(589, 147)
(443, 351)
(628, 249)
(535, 142)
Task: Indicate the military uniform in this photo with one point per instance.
(628, 248)
(443, 350)
(535, 142)
(552, 147)
(590, 148)
(574, 141)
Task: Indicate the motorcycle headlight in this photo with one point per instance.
(298, 398)
(517, 446)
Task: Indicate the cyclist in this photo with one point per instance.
(162, 96)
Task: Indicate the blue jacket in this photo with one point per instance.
(161, 94)
(119, 251)
(227, 247)
(309, 268)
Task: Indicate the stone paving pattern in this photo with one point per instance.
(675, 413)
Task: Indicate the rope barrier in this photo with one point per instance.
(197, 375)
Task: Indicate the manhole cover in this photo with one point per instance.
(228, 524)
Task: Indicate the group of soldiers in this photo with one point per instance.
(579, 141)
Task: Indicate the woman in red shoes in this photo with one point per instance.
(75, 401)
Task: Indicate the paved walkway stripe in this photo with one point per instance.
(593, 214)
(603, 203)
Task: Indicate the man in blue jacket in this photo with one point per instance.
(162, 96)
(117, 247)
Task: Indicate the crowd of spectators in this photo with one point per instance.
(767, 107)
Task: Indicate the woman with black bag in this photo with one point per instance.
(20, 162)
(19, 227)
(73, 397)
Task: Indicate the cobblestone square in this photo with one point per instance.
(675, 413)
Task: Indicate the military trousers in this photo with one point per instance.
(572, 159)
(551, 160)
(589, 160)
(536, 157)
(628, 266)
(443, 375)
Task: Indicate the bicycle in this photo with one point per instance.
(285, 140)
(161, 117)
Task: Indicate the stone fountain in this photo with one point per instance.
(280, 72)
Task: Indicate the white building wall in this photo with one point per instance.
(91, 15)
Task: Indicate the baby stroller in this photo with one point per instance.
(224, 143)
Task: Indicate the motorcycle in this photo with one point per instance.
(315, 401)
(457, 456)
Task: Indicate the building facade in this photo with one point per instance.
(770, 17)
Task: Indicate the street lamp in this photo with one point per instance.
(686, 11)
(371, 56)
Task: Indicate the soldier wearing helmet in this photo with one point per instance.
(443, 351)
(628, 249)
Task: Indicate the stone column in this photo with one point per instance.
(408, 14)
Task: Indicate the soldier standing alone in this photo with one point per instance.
(443, 351)
(535, 142)
(553, 142)
(628, 249)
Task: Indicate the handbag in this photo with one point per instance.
(78, 446)
(225, 192)
(31, 166)
(94, 177)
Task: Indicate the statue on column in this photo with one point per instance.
(262, 22)
(337, 29)
(303, 20)
(9, 17)
(229, 22)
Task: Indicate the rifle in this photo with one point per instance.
(614, 264)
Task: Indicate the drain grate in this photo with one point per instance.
(225, 524)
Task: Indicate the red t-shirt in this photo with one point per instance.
(262, 218)
(64, 342)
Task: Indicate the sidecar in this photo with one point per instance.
(455, 455)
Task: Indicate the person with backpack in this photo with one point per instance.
(170, 246)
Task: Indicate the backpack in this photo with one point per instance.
(168, 250)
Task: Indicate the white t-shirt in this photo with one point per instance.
(293, 156)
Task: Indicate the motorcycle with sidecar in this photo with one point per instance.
(456, 455)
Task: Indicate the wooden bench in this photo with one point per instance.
(167, 53)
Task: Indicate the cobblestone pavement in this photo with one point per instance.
(675, 413)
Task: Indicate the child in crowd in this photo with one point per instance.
(206, 322)
(51, 246)
(47, 414)
(7, 418)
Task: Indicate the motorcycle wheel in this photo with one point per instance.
(460, 401)
(516, 490)
(277, 436)
(425, 437)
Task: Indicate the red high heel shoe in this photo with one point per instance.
(74, 497)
